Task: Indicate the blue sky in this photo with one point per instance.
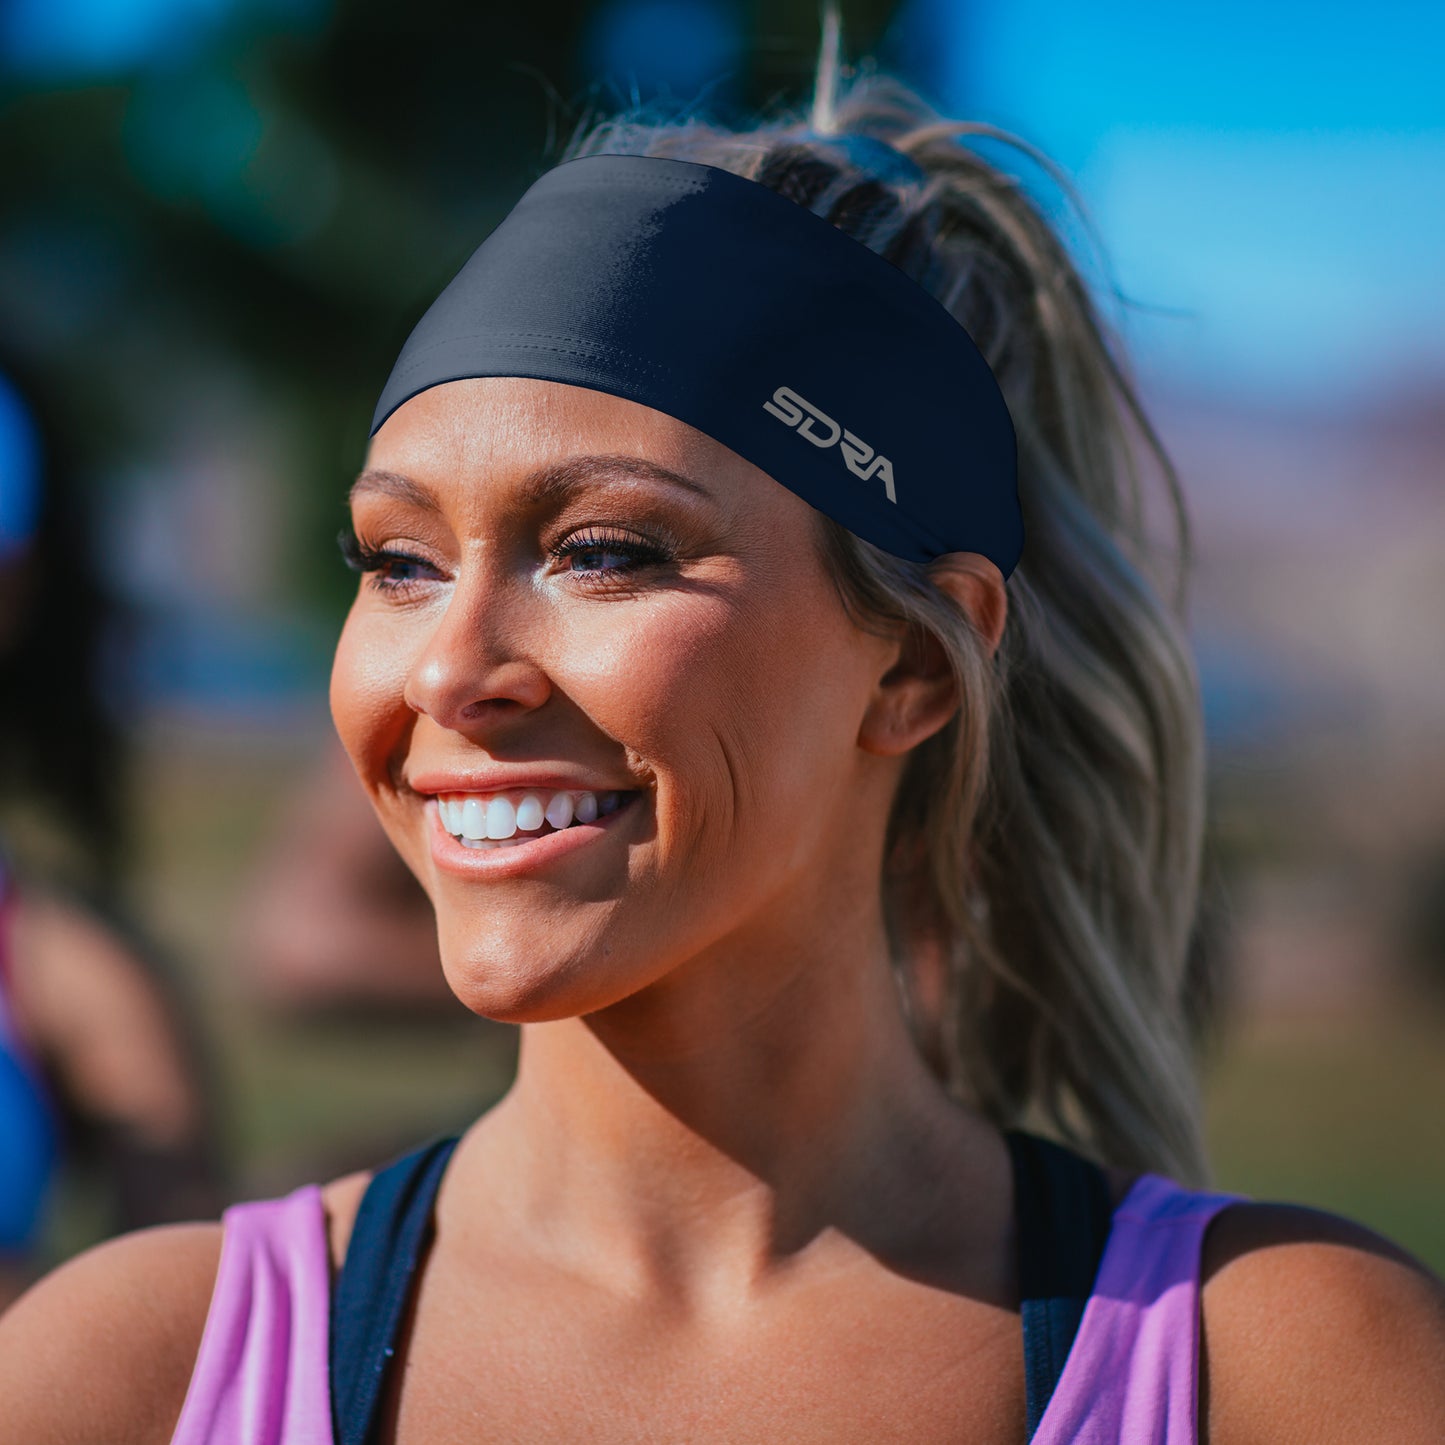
(1276, 171)
(76, 39)
(1271, 174)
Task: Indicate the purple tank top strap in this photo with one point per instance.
(1133, 1373)
(261, 1373)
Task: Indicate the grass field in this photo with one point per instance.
(1342, 1112)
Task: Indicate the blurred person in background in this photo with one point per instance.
(332, 918)
(692, 774)
(98, 1067)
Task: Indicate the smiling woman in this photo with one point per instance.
(819, 834)
(652, 642)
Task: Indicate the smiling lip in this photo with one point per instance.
(502, 780)
(452, 856)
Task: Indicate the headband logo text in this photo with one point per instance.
(820, 429)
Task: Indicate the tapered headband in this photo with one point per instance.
(720, 302)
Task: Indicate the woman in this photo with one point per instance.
(810, 843)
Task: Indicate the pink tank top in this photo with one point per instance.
(1131, 1378)
(261, 1372)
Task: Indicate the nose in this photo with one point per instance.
(475, 667)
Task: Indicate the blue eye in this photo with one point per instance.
(600, 559)
(593, 554)
(397, 567)
(390, 570)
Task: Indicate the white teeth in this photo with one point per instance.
(501, 819)
(474, 819)
(492, 820)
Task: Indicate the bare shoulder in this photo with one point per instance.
(102, 1348)
(1317, 1329)
(341, 1199)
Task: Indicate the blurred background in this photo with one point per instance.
(218, 221)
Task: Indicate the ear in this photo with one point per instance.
(917, 695)
(977, 586)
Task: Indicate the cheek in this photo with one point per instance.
(742, 704)
(368, 679)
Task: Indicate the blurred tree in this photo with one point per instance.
(280, 185)
(1423, 919)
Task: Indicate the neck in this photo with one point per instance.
(709, 1131)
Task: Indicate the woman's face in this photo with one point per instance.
(571, 599)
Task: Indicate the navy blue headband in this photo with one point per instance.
(720, 302)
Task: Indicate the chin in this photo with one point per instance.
(518, 987)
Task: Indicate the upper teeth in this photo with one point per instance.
(497, 816)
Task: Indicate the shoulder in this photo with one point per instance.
(341, 1199)
(1315, 1328)
(103, 1347)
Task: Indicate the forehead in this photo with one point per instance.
(509, 428)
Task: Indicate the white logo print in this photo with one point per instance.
(823, 431)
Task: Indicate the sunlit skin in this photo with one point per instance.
(716, 675)
(716, 1084)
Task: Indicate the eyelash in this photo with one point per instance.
(639, 553)
(372, 561)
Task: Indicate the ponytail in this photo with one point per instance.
(1044, 847)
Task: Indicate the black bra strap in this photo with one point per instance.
(1063, 1210)
(368, 1300)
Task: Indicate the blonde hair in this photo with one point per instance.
(1045, 846)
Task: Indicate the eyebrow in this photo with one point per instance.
(552, 483)
(392, 484)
